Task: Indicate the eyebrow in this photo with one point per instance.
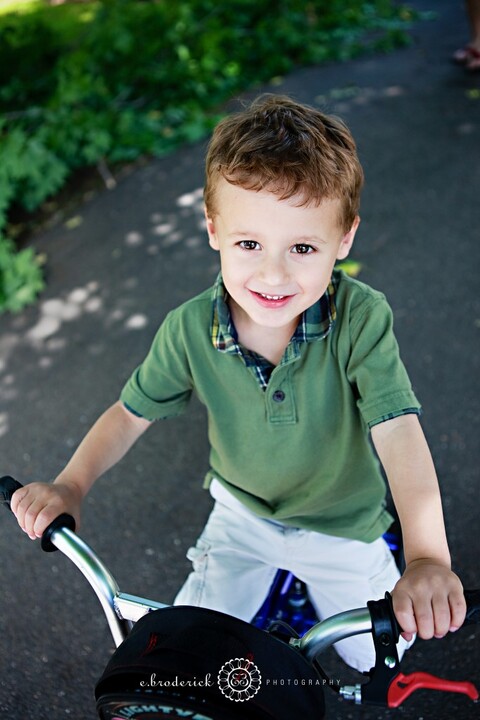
(241, 233)
(310, 238)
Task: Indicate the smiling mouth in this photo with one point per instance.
(272, 300)
(272, 297)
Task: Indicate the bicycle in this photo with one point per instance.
(188, 662)
(287, 603)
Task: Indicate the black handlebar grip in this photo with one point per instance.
(62, 521)
(8, 486)
(473, 607)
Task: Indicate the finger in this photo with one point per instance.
(43, 519)
(31, 514)
(441, 615)
(403, 609)
(414, 614)
(22, 512)
(424, 617)
(17, 497)
(458, 609)
(40, 514)
(22, 501)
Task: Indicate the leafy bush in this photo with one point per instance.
(21, 277)
(109, 81)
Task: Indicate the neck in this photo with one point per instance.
(268, 342)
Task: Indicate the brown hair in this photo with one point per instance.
(279, 145)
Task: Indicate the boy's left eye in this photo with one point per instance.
(302, 249)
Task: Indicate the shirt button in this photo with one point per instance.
(278, 396)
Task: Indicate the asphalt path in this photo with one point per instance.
(124, 257)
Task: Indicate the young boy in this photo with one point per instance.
(297, 366)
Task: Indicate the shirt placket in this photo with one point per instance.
(280, 397)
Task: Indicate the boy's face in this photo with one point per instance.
(276, 258)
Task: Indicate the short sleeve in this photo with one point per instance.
(161, 386)
(375, 369)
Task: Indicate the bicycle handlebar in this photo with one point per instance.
(8, 486)
(472, 598)
(321, 636)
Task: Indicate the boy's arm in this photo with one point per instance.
(428, 599)
(36, 505)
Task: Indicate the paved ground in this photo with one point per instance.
(129, 255)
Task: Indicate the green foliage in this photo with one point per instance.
(112, 80)
(21, 276)
(350, 267)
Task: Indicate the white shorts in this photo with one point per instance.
(237, 555)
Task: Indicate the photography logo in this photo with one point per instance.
(239, 679)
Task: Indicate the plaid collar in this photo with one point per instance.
(315, 324)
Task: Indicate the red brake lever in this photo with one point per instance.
(402, 686)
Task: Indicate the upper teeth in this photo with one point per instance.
(272, 297)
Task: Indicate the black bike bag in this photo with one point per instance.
(188, 662)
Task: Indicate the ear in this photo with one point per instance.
(347, 240)
(212, 238)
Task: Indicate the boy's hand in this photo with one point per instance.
(36, 505)
(428, 600)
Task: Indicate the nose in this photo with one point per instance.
(273, 271)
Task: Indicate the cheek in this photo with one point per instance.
(311, 269)
(236, 264)
(315, 276)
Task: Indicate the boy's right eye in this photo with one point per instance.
(249, 244)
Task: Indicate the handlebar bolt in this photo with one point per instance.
(390, 662)
(352, 693)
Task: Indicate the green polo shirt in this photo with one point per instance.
(297, 449)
